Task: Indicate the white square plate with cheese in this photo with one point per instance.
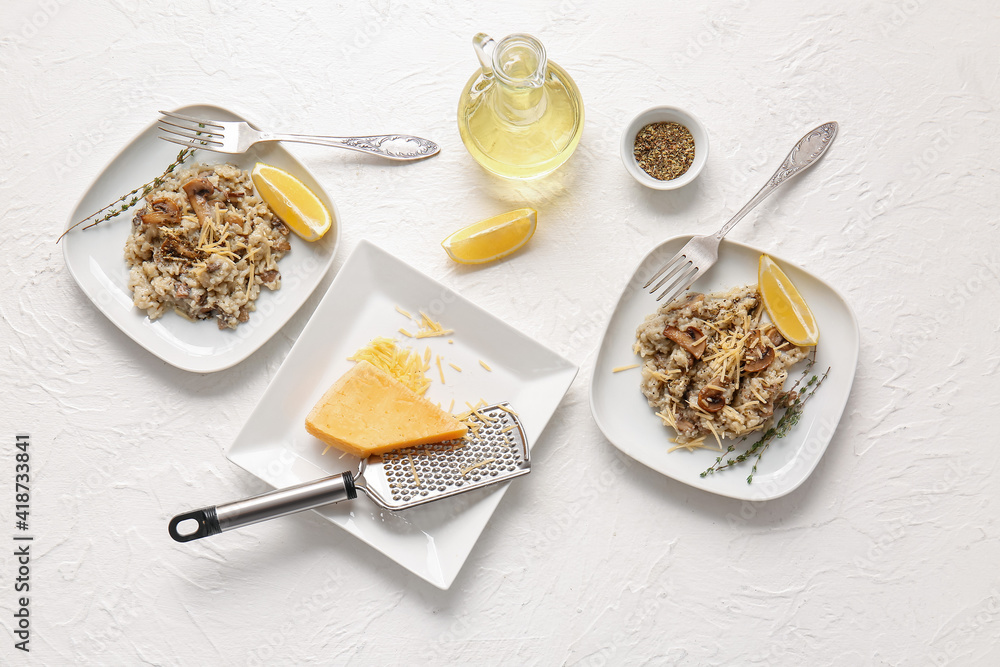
(96, 257)
(624, 415)
(434, 540)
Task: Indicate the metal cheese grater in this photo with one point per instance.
(496, 451)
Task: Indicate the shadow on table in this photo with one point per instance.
(734, 512)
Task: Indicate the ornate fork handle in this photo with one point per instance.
(802, 156)
(396, 146)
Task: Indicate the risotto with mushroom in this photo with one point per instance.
(711, 368)
(204, 245)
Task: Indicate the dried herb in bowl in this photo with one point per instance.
(664, 150)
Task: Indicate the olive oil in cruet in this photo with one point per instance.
(521, 115)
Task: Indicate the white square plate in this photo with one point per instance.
(433, 540)
(622, 413)
(96, 257)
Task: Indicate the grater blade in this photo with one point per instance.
(495, 451)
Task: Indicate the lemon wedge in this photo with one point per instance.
(293, 202)
(493, 238)
(787, 308)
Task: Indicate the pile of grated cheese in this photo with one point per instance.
(402, 363)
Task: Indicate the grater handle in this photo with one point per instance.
(219, 518)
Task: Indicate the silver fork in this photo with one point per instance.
(701, 252)
(237, 136)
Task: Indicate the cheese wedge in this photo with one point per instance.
(368, 411)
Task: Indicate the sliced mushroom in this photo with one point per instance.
(197, 191)
(711, 398)
(161, 211)
(778, 340)
(691, 339)
(759, 354)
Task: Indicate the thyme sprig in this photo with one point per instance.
(793, 401)
(130, 199)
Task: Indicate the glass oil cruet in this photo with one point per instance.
(521, 115)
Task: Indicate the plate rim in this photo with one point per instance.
(364, 245)
(188, 363)
(681, 239)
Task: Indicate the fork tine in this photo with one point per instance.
(193, 137)
(190, 119)
(205, 132)
(666, 265)
(681, 283)
(187, 144)
(680, 265)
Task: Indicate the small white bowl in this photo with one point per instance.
(665, 114)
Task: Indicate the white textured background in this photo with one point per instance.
(887, 555)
